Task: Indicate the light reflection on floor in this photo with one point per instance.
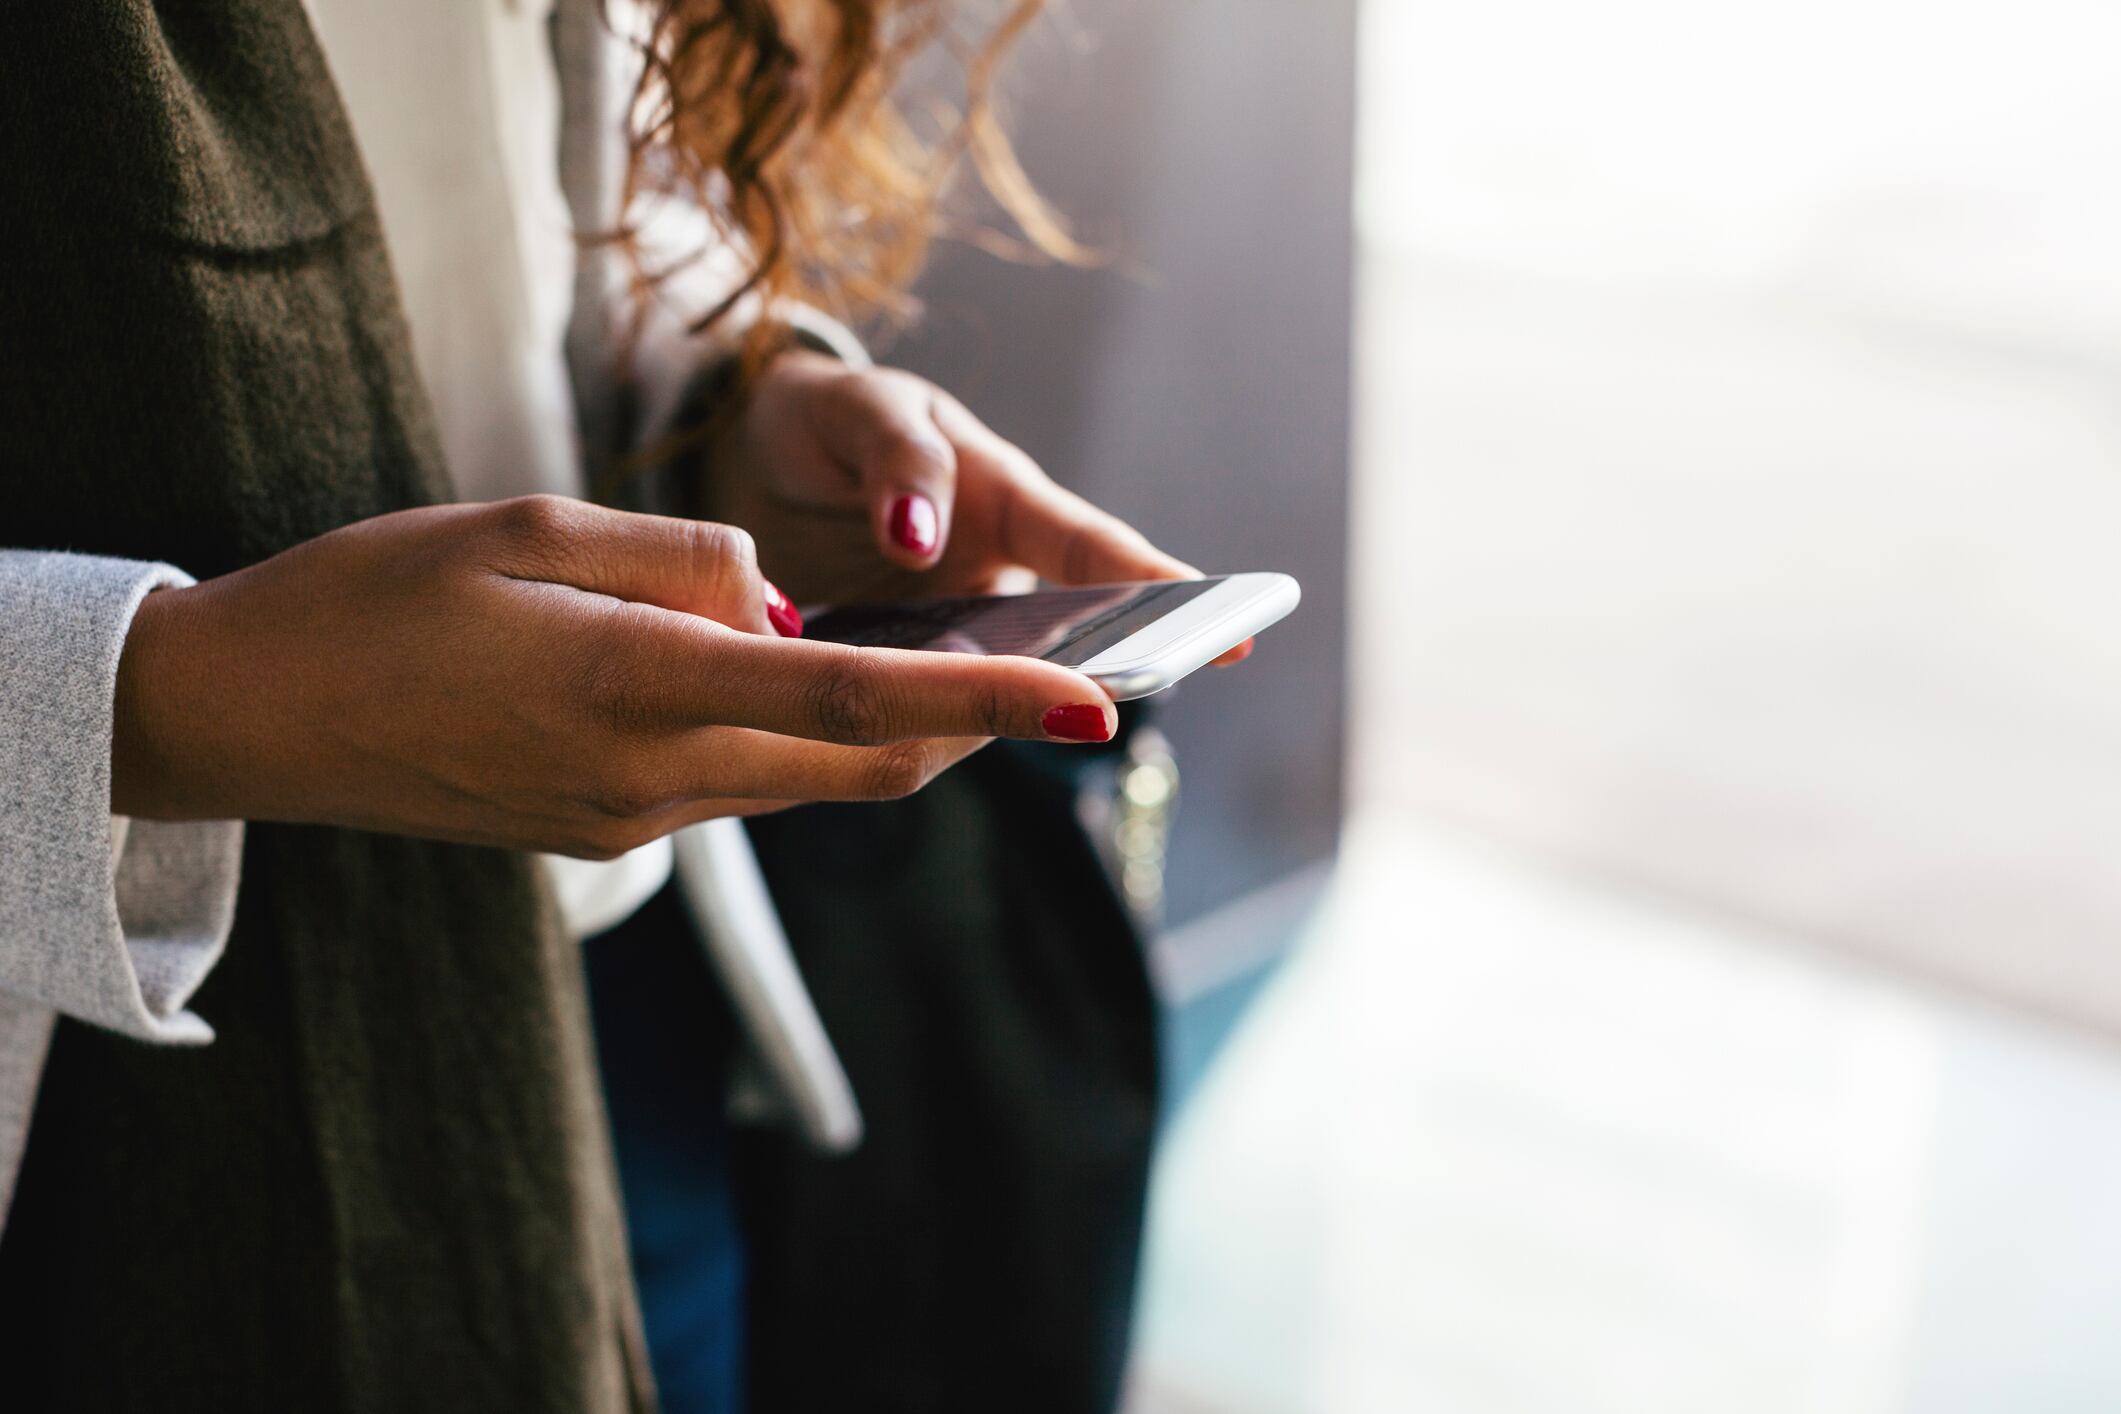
(1501, 1141)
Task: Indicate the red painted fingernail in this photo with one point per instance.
(913, 524)
(1241, 652)
(1084, 721)
(786, 619)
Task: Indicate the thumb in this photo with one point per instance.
(883, 428)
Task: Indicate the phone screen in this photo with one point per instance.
(1064, 626)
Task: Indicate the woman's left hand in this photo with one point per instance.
(869, 483)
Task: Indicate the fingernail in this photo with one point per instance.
(1083, 721)
(786, 619)
(913, 524)
(1241, 652)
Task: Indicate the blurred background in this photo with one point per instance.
(1692, 980)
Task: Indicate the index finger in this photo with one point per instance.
(866, 696)
(1041, 524)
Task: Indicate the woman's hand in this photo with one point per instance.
(539, 674)
(876, 484)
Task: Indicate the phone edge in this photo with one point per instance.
(1266, 605)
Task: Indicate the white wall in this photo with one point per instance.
(1740, 460)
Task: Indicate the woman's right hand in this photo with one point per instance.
(538, 674)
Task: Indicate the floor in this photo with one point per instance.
(1500, 1140)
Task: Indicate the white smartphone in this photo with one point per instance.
(1130, 639)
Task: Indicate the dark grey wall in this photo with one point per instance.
(1203, 391)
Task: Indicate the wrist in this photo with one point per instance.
(152, 736)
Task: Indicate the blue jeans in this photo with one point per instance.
(665, 1040)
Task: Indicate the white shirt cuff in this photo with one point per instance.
(114, 924)
(596, 895)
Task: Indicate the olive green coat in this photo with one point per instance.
(386, 1187)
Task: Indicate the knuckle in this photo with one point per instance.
(535, 523)
(853, 389)
(621, 803)
(884, 410)
(849, 704)
(591, 845)
(842, 400)
(610, 841)
(897, 771)
(587, 833)
(718, 546)
(903, 382)
(725, 560)
(993, 714)
(620, 799)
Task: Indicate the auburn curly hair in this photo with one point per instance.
(783, 119)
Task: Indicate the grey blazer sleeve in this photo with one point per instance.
(112, 923)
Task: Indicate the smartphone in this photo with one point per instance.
(1130, 639)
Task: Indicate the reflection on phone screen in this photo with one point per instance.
(1065, 626)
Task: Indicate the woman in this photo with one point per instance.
(386, 1185)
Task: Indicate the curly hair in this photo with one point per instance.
(784, 121)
